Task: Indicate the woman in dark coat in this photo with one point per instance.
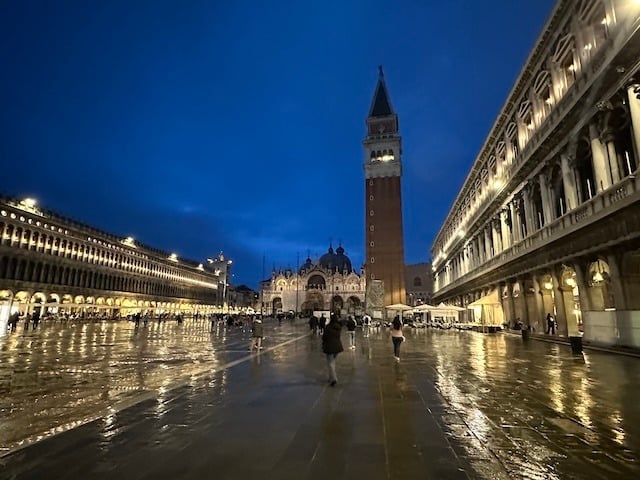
(332, 346)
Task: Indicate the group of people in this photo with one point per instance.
(332, 343)
(29, 318)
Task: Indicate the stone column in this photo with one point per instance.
(544, 195)
(569, 182)
(529, 214)
(634, 108)
(558, 299)
(583, 290)
(522, 312)
(495, 237)
(614, 166)
(487, 245)
(504, 228)
(599, 162)
(616, 282)
(538, 308)
(516, 223)
(511, 305)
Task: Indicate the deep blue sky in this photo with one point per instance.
(200, 126)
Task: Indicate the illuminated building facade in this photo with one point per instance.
(383, 198)
(548, 218)
(329, 284)
(50, 264)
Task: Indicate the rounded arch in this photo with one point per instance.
(337, 303)
(276, 305)
(353, 305)
(316, 282)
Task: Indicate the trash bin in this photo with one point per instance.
(525, 333)
(576, 344)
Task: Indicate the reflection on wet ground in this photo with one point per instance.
(458, 405)
(541, 411)
(66, 374)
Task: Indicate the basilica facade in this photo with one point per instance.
(329, 284)
(548, 218)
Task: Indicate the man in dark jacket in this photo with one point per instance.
(322, 322)
(332, 346)
(313, 324)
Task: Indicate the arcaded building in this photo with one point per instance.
(51, 264)
(548, 217)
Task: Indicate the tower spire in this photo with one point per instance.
(381, 105)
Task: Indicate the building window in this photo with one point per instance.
(371, 228)
(373, 277)
(371, 197)
(417, 282)
(371, 244)
(373, 260)
(371, 213)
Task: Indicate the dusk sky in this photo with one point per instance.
(237, 126)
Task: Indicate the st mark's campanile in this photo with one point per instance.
(383, 202)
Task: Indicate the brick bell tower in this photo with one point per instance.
(383, 203)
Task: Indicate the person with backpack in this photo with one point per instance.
(396, 336)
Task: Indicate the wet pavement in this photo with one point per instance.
(171, 401)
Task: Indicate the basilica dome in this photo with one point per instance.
(306, 266)
(336, 261)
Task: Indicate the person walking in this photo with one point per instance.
(35, 319)
(351, 328)
(366, 323)
(257, 332)
(551, 324)
(13, 320)
(313, 324)
(322, 323)
(396, 336)
(332, 346)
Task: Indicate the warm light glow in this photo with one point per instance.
(30, 202)
(173, 257)
(571, 282)
(547, 285)
(572, 68)
(597, 277)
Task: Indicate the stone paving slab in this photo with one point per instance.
(458, 405)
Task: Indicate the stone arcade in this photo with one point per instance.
(548, 218)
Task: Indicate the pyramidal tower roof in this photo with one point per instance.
(381, 105)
